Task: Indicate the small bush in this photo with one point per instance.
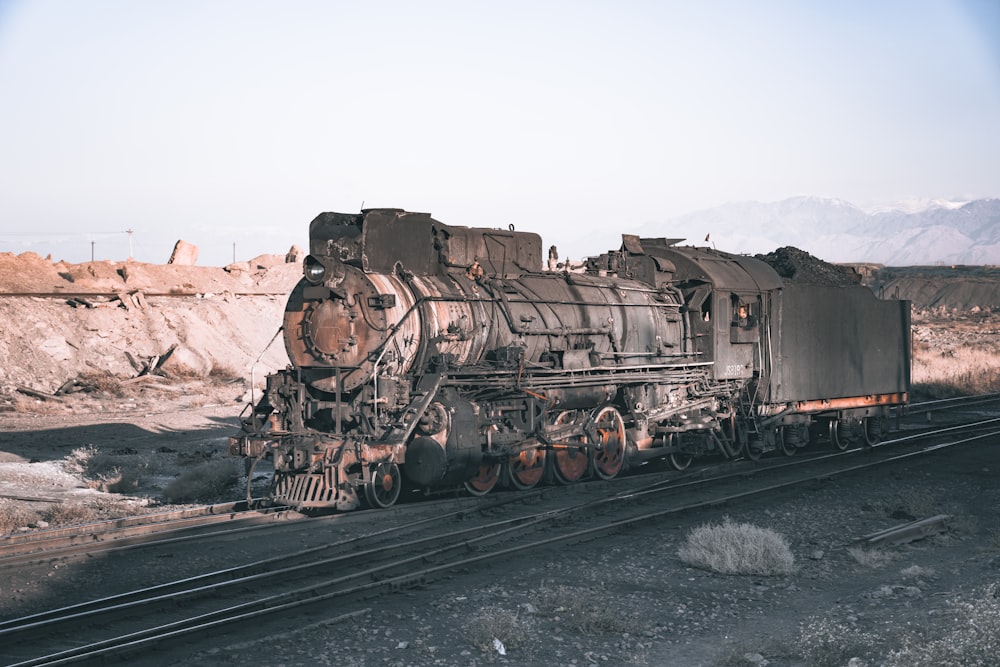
(873, 558)
(970, 637)
(906, 505)
(102, 381)
(994, 538)
(586, 612)
(12, 517)
(737, 548)
(68, 514)
(111, 473)
(203, 483)
(496, 623)
(226, 374)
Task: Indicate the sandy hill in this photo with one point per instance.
(108, 319)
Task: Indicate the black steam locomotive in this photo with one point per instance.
(448, 356)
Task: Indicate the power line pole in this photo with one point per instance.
(92, 251)
(129, 232)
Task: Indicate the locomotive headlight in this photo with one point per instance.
(314, 271)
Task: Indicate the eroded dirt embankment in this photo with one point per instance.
(120, 319)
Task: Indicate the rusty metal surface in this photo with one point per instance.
(450, 352)
(850, 402)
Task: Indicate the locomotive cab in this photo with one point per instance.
(727, 299)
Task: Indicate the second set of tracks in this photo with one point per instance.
(475, 531)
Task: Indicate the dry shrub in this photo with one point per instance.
(496, 623)
(110, 473)
(905, 505)
(993, 538)
(36, 406)
(204, 483)
(13, 517)
(111, 507)
(737, 548)
(969, 636)
(68, 514)
(873, 558)
(585, 611)
(102, 381)
(961, 371)
(226, 374)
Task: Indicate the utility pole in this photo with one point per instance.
(92, 251)
(129, 232)
(234, 252)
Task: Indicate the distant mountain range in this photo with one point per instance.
(909, 234)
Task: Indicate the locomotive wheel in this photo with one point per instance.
(526, 469)
(679, 460)
(875, 430)
(609, 457)
(785, 440)
(486, 478)
(793, 437)
(754, 448)
(570, 461)
(383, 491)
(852, 432)
(734, 437)
(839, 443)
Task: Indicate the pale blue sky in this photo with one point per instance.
(226, 122)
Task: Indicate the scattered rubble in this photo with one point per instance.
(184, 254)
(127, 320)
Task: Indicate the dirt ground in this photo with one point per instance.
(626, 600)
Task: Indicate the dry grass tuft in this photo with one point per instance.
(104, 382)
(738, 548)
(206, 482)
(226, 374)
(110, 473)
(13, 517)
(493, 624)
(69, 514)
(873, 558)
(586, 612)
(959, 371)
(905, 505)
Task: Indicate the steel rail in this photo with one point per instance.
(317, 592)
(107, 536)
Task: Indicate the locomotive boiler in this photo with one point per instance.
(442, 356)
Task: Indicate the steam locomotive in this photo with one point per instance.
(444, 356)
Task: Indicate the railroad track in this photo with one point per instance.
(91, 538)
(340, 573)
(227, 518)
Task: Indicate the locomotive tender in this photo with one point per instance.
(447, 356)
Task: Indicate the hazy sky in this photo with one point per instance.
(236, 122)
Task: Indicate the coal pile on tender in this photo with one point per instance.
(798, 266)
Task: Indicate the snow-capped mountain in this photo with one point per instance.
(912, 233)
